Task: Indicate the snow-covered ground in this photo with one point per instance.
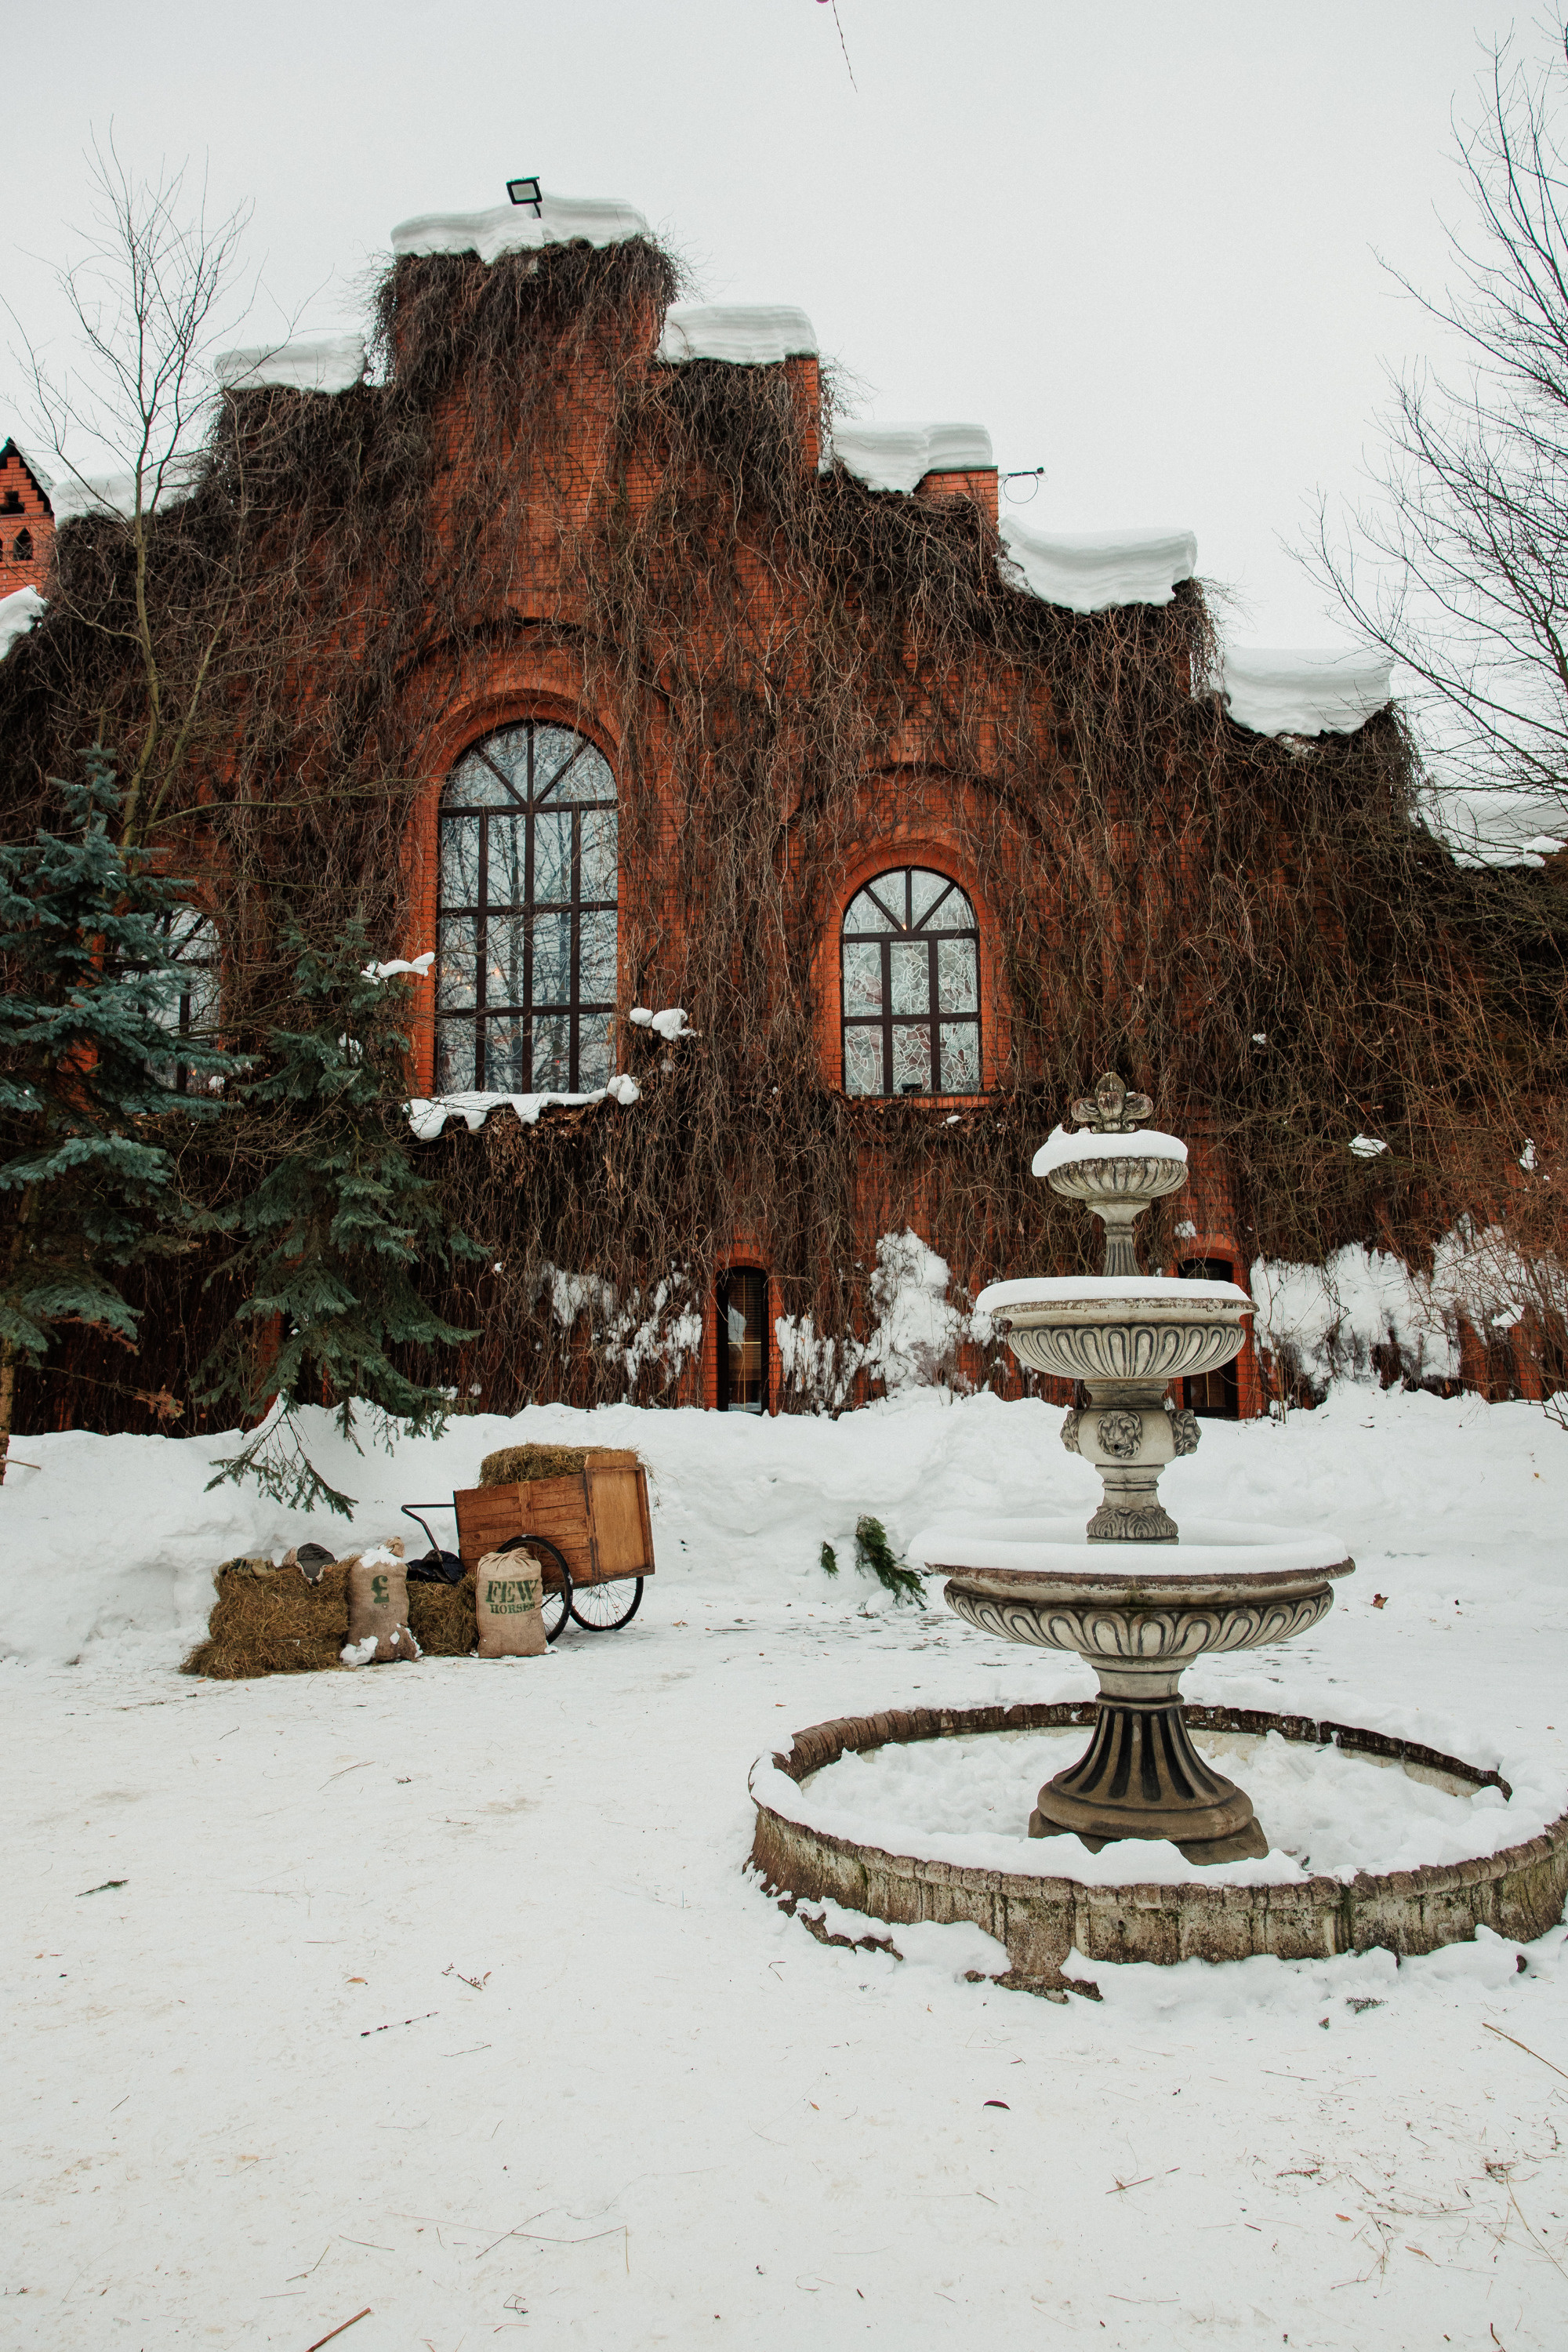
(440, 1988)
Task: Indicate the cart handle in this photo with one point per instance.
(412, 1511)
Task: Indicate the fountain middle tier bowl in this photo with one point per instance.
(1146, 1327)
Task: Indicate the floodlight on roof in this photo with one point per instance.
(525, 192)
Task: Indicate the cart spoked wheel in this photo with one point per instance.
(555, 1607)
(601, 1608)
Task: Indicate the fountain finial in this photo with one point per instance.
(1111, 1109)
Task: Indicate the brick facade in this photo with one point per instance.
(27, 524)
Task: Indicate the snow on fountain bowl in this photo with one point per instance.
(1139, 1599)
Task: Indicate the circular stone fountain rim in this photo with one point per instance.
(1154, 1290)
(1060, 1150)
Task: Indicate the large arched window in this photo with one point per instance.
(912, 988)
(525, 957)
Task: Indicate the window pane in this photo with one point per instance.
(593, 1050)
(912, 1059)
(551, 1057)
(506, 1068)
(862, 977)
(472, 784)
(862, 1061)
(865, 914)
(911, 976)
(598, 854)
(961, 1057)
(505, 936)
(955, 976)
(552, 959)
(587, 778)
(459, 861)
(455, 1043)
(508, 752)
(925, 890)
(456, 970)
(597, 977)
(551, 857)
(504, 874)
(552, 748)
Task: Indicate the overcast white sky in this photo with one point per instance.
(1136, 239)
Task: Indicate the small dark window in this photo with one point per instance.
(13, 503)
(1213, 1395)
(744, 1340)
(910, 961)
(22, 550)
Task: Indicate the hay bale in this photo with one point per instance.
(441, 1618)
(519, 1466)
(269, 1621)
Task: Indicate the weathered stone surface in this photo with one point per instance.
(1518, 1893)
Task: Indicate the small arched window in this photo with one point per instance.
(525, 958)
(911, 987)
(23, 549)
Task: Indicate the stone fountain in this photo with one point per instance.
(1136, 1598)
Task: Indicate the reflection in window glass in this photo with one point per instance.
(525, 964)
(911, 952)
(191, 1007)
(742, 1330)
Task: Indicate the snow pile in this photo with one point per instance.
(1326, 1322)
(914, 1341)
(1496, 827)
(514, 228)
(1088, 571)
(19, 612)
(308, 364)
(1278, 690)
(666, 1330)
(744, 334)
(671, 1022)
(429, 1114)
(899, 456)
(418, 967)
(1144, 1142)
(1327, 1812)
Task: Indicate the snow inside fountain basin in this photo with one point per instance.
(1327, 1812)
(1084, 1289)
(1224, 1548)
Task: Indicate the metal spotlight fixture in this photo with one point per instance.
(525, 192)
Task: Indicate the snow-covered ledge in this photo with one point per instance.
(428, 1115)
(515, 228)
(83, 494)
(19, 612)
(308, 364)
(743, 334)
(1287, 690)
(1091, 570)
(899, 456)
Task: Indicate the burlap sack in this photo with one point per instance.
(509, 1590)
(378, 1607)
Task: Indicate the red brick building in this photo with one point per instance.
(26, 524)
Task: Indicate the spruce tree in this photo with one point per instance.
(88, 1177)
(333, 1233)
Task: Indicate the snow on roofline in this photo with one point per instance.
(899, 456)
(1492, 825)
(744, 334)
(1288, 690)
(514, 228)
(83, 494)
(310, 363)
(18, 614)
(1090, 570)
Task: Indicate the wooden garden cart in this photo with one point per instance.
(591, 1528)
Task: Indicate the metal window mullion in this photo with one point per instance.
(887, 946)
(573, 950)
(527, 1007)
(482, 956)
(934, 1024)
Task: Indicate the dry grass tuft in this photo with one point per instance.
(519, 1466)
(269, 1621)
(441, 1618)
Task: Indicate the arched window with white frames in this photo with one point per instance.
(911, 987)
(525, 955)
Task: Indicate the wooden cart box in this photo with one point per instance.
(599, 1517)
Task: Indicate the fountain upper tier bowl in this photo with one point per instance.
(1126, 1327)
